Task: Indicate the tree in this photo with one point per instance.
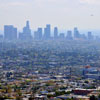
(99, 96)
(93, 97)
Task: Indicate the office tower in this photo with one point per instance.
(97, 38)
(61, 36)
(55, 32)
(76, 33)
(47, 32)
(83, 36)
(21, 36)
(27, 31)
(1, 37)
(69, 35)
(10, 32)
(38, 34)
(90, 36)
(26, 34)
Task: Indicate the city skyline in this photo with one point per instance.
(33, 30)
(11, 33)
(63, 13)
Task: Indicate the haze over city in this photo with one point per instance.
(65, 14)
(49, 50)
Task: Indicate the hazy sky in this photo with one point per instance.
(84, 14)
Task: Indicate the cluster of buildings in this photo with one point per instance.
(31, 85)
(11, 33)
(92, 73)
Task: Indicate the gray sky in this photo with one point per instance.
(65, 14)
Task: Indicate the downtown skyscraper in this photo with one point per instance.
(10, 32)
(47, 32)
(55, 32)
(26, 34)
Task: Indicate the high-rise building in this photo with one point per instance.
(21, 36)
(10, 32)
(76, 33)
(90, 36)
(69, 35)
(83, 36)
(38, 34)
(1, 37)
(55, 32)
(61, 36)
(47, 32)
(26, 34)
(97, 38)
